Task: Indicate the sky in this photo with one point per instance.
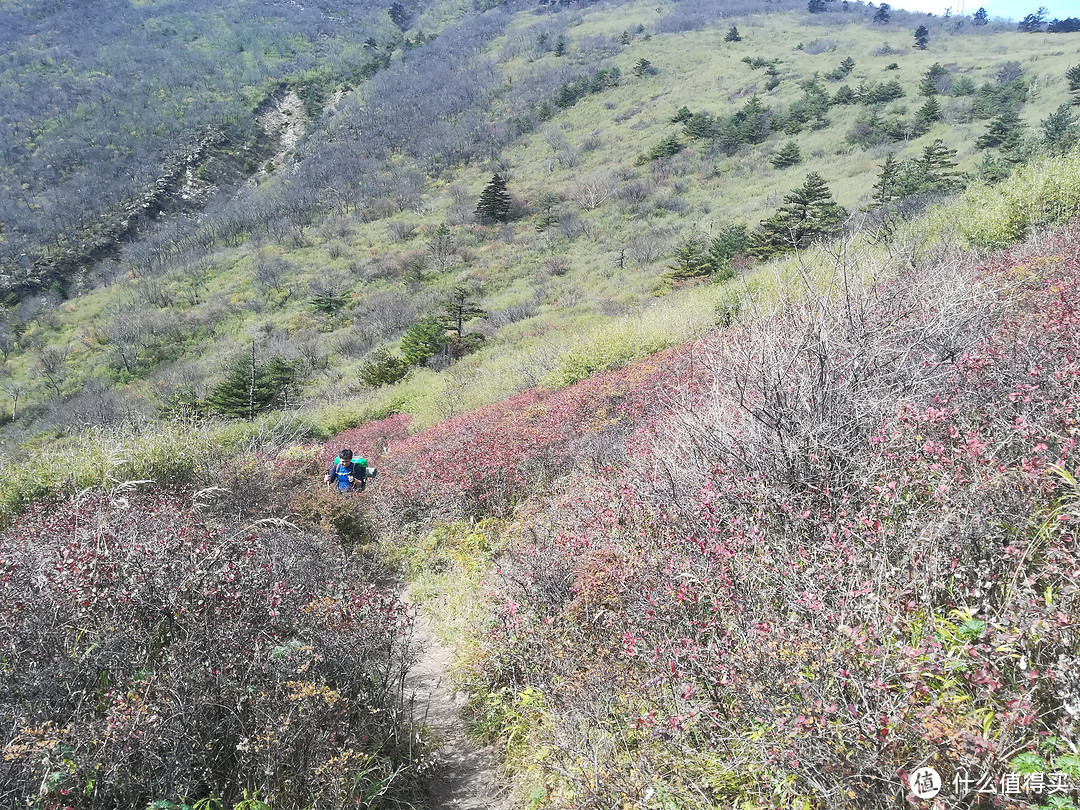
(1015, 9)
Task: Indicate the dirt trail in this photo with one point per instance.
(468, 779)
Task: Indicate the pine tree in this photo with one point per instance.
(936, 169)
(992, 169)
(787, 155)
(624, 38)
(237, 397)
(560, 46)
(682, 116)
(494, 204)
(701, 125)
(808, 214)
(752, 121)
(816, 6)
(886, 187)
(691, 260)
(281, 377)
(963, 86)
(1033, 23)
(458, 310)
(981, 17)
(1072, 76)
(383, 368)
(922, 37)
(882, 14)
(774, 77)
(423, 340)
(249, 388)
(666, 148)
(1070, 25)
(1060, 130)
(844, 95)
(928, 113)
(930, 83)
(399, 16)
(732, 35)
(1003, 132)
(730, 242)
(642, 66)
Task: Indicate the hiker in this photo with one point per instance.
(347, 472)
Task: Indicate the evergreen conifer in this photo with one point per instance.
(423, 340)
(383, 369)
(250, 388)
(787, 155)
(928, 113)
(399, 16)
(724, 247)
(1060, 130)
(691, 260)
(922, 37)
(886, 187)
(1072, 77)
(494, 203)
(844, 95)
(1003, 132)
(807, 215)
(458, 310)
(936, 169)
(1033, 23)
(962, 86)
(930, 85)
(732, 35)
(752, 121)
(682, 115)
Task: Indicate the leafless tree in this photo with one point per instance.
(50, 362)
(592, 191)
(442, 249)
(15, 389)
(647, 247)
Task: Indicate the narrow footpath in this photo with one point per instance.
(468, 779)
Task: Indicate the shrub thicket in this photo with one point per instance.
(844, 548)
(153, 655)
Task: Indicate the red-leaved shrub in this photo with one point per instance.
(845, 549)
(153, 654)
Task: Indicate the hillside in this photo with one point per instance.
(719, 367)
(368, 227)
(783, 564)
(786, 564)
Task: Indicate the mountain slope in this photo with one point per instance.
(370, 226)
